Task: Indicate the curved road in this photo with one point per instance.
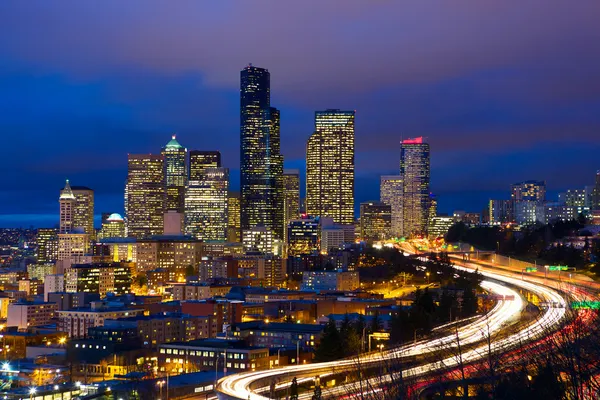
(249, 385)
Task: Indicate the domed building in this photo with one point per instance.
(113, 226)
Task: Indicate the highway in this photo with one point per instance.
(252, 385)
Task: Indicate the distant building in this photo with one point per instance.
(83, 210)
(219, 267)
(440, 226)
(112, 227)
(234, 232)
(375, 221)
(534, 191)
(53, 283)
(202, 160)
(69, 301)
(303, 236)
(47, 242)
(145, 195)
(73, 246)
(415, 173)
(40, 271)
(291, 190)
(330, 167)
(28, 314)
(172, 253)
(67, 209)
(101, 278)
(259, 238)
(529, 212)
(323, 281)
(501, 211)
(175, 175)
(206, 203)
(390, 190)
(76, 322)
(277, 335)
(333, 236)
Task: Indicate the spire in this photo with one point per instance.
(67, 193)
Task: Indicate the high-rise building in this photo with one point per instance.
(390, 193)
(145, 198)
(73, 246)
(83, 209)
(291, 193)
(201, 160)
(303, 236)
(112, 227)
(233, 218)
(67, 209)
(47, 242)
(172, 253)
(330, 167)
(261, 162)
(501, 211)
(375, 220)
(206, 201)
(258, 239)
(175, 175)
(529, 191)
(415, 174)
(596, 194)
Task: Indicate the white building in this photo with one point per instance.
(26, 314)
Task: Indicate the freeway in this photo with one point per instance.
(250, 385)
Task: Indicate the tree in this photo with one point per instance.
(190, 271)
(294, 389)
(317, 392)
(330, 346)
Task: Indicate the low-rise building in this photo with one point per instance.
(27, 314)
(76, 322)
(330, 280)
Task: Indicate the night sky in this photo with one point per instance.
(504, 91)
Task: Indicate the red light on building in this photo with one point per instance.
(418, 140)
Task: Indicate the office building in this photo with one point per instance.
(206, 205)
(217, 267)
(145, 195)
(595, 194)
(112, 227)
(200, 161)
(172, 253)
(27, 314)
(73, 246)
(39, 271)
(83, 210)
(53, 283)
(258, 239)
(529, 212)
(534, 191)
(415, 174)
(234, 232)
(322, 281)
(261, 162)
(439, 226)
(101, 278)
(375, 221)
(291, 190)
(76, 322)
(330, 167)
(175, 175)
(47, 245)
(303, 236)
(66, 202)
(390, 193)
(501, 211)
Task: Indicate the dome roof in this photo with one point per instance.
(173, 144)
(115, 217)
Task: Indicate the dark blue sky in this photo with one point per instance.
(505, 91)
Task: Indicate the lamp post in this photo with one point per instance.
(160, 386)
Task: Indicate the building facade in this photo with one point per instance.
(145, 195)
(206, 205)
(330, 167)
(390, 193)
(83, 210)
(291, 190)
(415, 175)
(375, 221)
(175, 175)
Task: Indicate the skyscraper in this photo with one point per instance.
(529, 191)
(200, 160)
(330, 167)
(83, 209)
(144, 206)
(261, 163)
(233, 218)
(206, 214)
(47, 245)
(390, 193)
(415, 173)
(375, 220)
(291, 194)
(175, 175)
(596, 193)
(66, 202)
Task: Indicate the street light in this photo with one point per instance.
(160, 386)
(32, 392)
(427, 277)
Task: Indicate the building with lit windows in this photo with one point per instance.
(172, 253)
(303, 236)
(529, 212)
(112, 227)
(390, 193)
(529, 191)
(83, 209)
(101, 278)
(234, 232)
(595, 194)
(206, 202)
(47, 245)
(261, 163)
(76, 322)
(27, 314)
(175, 174)
(276, 334)
(67, 209)
(375, 221)
(73, 246)
(258, 239)
(439, 226)
(330, 167)
(291, 190)
(145, 195)
(415, 173)
(200, 161)
(501, 211)
(323, 281)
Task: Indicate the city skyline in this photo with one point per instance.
(492, 117)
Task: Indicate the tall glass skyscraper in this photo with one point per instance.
(201, 160)
(175, 175)
(291, 189)
(415, 175)
(330, 167)
(261, 162)
(145, 195)
(391, 188)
